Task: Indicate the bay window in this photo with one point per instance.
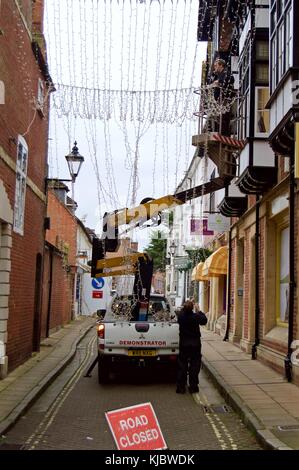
(281, 36)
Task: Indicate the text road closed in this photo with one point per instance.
(136, 428)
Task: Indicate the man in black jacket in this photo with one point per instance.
(190, 347)
(222, 82)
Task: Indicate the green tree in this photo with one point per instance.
(157, 250)
(198, 255)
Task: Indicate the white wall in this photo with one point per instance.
(263, 155)
(284, 101)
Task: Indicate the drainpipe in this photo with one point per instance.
(226, 336)
(257, 278)
(287, 361)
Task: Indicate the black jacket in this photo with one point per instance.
(226, 84)
(189, 327)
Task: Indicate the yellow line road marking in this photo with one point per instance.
(220, 430)
(38, 434)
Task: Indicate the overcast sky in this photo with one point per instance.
(106, 45)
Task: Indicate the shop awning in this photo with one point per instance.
(197, 273)
(216, 264)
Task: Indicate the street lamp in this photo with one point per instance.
(172, 251)
(172, 248)
(74, 161)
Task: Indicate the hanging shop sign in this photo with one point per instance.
(218, 223)
(200, 227)
(180, 261)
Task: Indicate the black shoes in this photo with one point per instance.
(193, 389)
(180, 390)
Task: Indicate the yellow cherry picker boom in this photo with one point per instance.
(222, 151)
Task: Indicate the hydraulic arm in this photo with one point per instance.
(220, 149)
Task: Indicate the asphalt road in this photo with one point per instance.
(70, 415)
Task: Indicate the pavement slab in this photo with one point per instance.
(22, 387)
(264, 399)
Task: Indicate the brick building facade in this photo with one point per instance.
(23, 169)
(261, 50)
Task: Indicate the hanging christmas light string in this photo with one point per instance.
(164, 171)
(137, 128)
(184, 45)
(132, 24)
(155, 147)
(170, 55)
(88, 103)
(116, 98)
(102, 193)
(122, 62)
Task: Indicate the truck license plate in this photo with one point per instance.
(141, 352)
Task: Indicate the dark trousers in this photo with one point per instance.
(189, 361)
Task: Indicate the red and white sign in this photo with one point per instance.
(97, 294)
(136, 428)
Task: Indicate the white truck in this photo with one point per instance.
(137, 327)
(121, 340)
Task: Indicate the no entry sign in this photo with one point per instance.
(136, 428)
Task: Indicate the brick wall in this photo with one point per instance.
(37, 16)
(63, 227)
(226, 34)
(251, 200)
(283, 168)
(20, 76)
(60, 308)
(62, 298)
(26, 9)
(62, 243)
(22, 282)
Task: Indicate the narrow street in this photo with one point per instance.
(71, 413)
(149, 207)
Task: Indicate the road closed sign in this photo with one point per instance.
(136, 428)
